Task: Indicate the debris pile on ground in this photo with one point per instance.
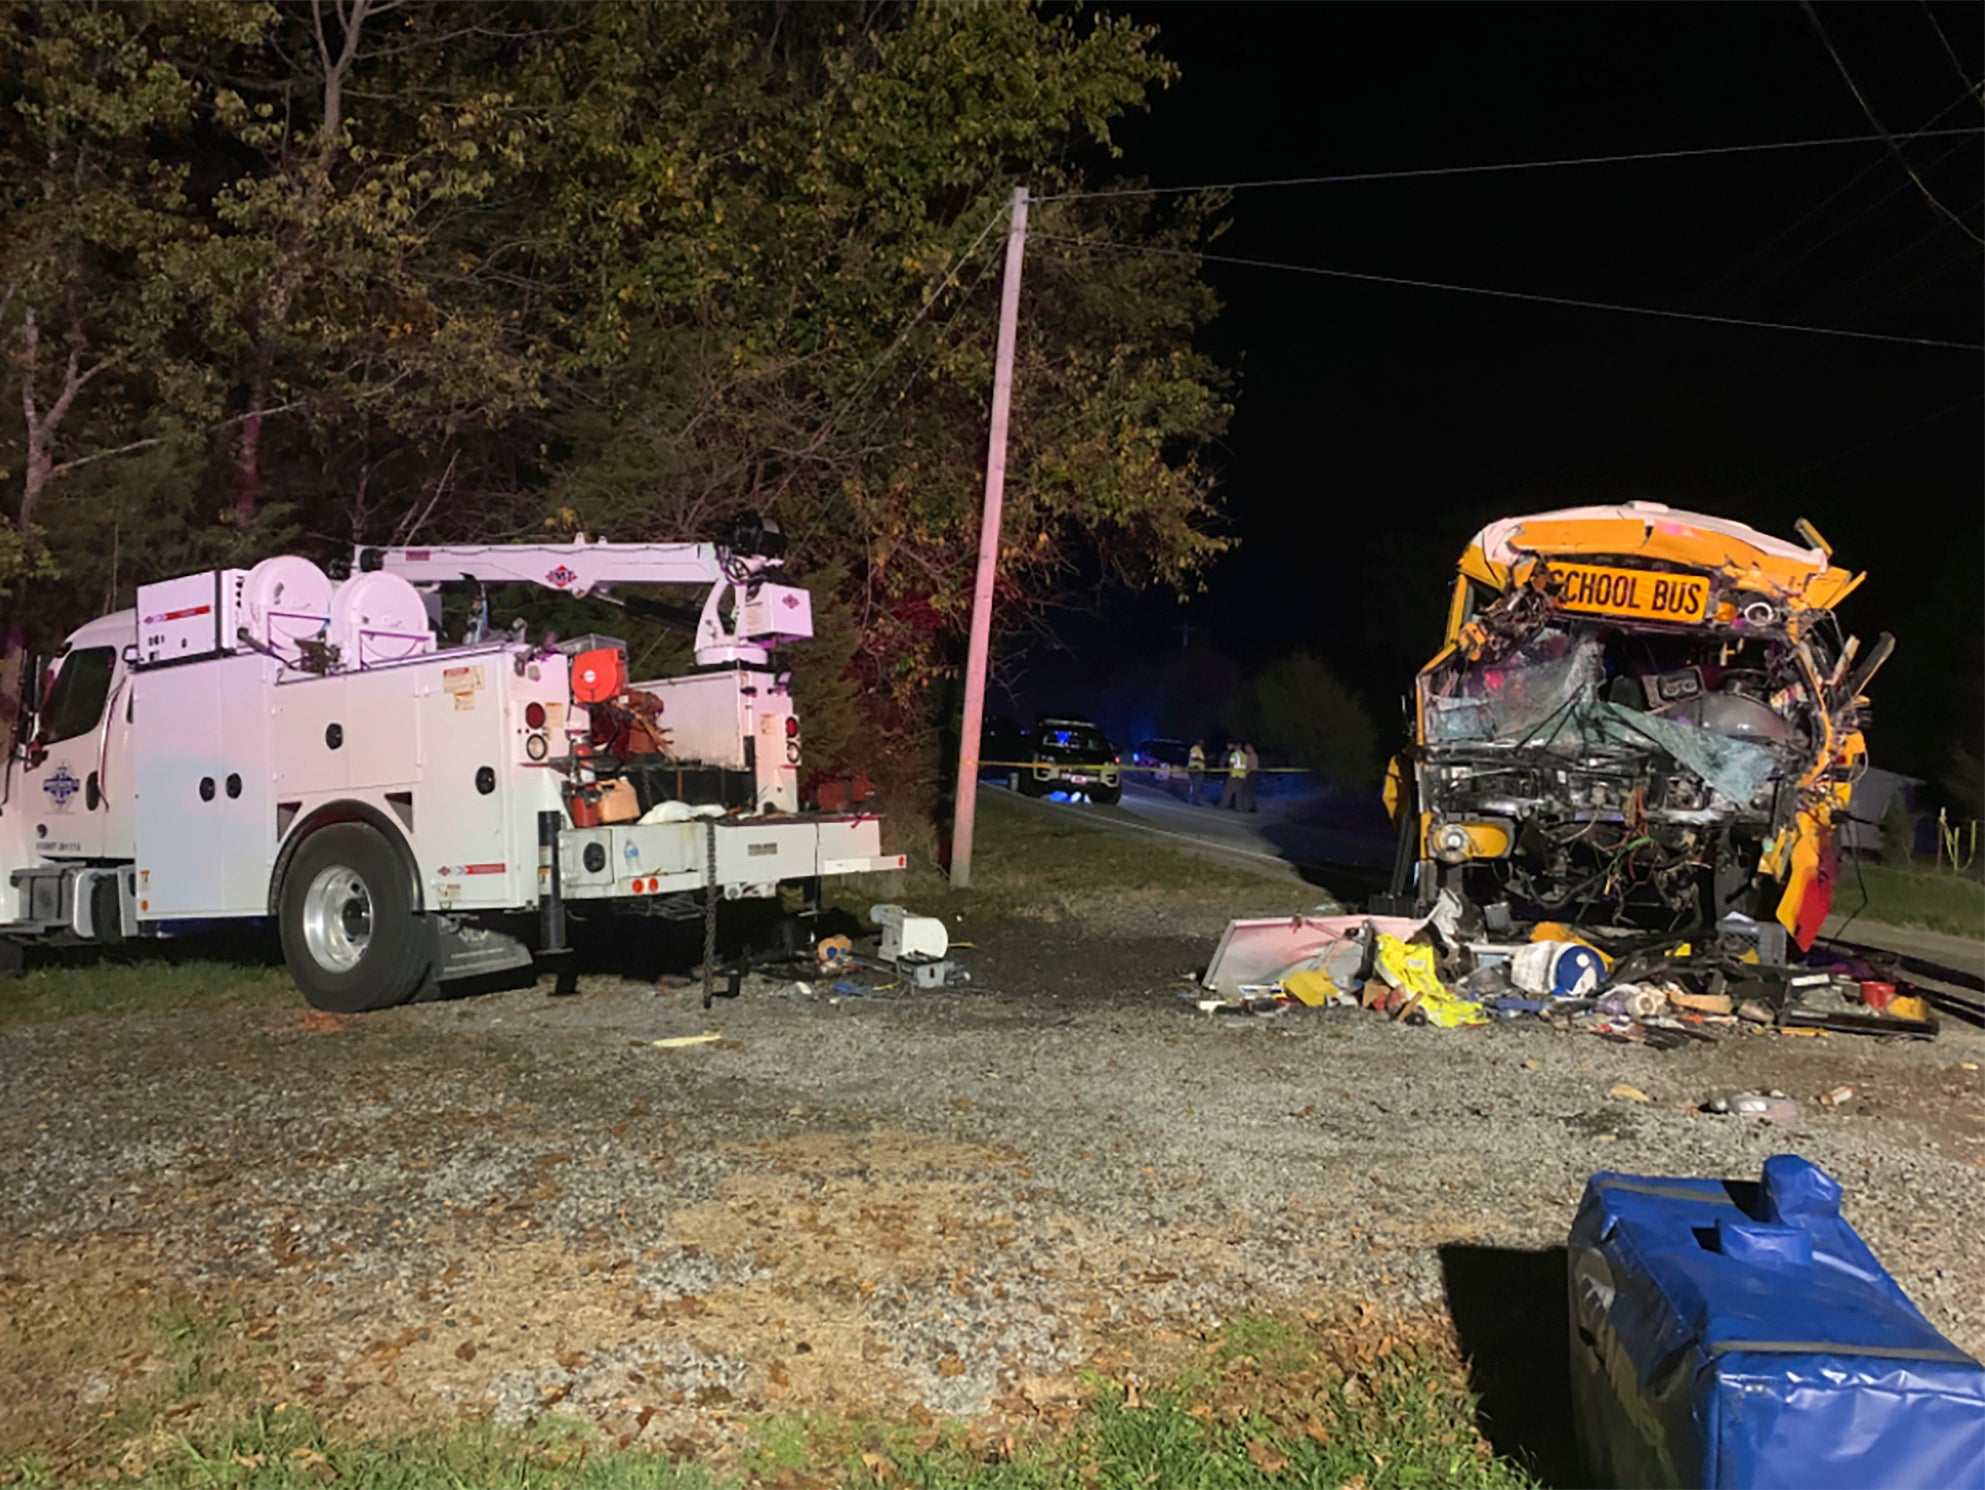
(1623, 985)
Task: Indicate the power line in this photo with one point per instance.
(943, 333)
(1732, 276)
(930, 303)
(1949, 51)
(1851, 450)
(1501, 294)
(1854, 88)
(1345, 178)
(1759, 252)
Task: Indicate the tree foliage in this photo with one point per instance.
(320, 271)
(1296, 709)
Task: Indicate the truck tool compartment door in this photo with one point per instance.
(205, 825)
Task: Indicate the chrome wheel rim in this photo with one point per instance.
(337, 919)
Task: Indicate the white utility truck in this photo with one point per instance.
(269, 743)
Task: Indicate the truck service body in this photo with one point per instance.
(267, 743)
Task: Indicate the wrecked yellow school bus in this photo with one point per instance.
(1640, 717)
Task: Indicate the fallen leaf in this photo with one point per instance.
(1316, 1431)
(466, 1351)
(248, 1461)
(877, 1465)
(1266, 1459)
(1628, 1093)
(950, 1366)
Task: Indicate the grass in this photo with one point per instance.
(100, 985)
(1023, 852)
(282, 1450)
(1027, 858)
(1931, 899)
(1266, 1402)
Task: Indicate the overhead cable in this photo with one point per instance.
(1348, 177)
(1852, 450)
(1854, 88)
(1950, 51)
(1779, 237)
(1501, 294)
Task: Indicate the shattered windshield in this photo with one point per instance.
(1524, 697)
(1574, 689)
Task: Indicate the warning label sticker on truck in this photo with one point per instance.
(463, 683)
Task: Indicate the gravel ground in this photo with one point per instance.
(944, 1202)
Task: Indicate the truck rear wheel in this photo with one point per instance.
(350, 935)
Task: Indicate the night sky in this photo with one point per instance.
(1378, 427)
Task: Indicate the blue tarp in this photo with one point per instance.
(1756, 1344)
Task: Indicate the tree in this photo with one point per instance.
(341, 274)
(796, 222)
(339, 270)
(96, 96)
(1296, 708)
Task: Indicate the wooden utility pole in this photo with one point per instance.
(966, 802)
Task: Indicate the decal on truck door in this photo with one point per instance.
(62, 787)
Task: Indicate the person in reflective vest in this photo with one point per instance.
(1195, 771)
(1237, 776)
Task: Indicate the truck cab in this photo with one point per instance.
(66, 797)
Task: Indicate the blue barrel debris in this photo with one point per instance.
(1738, 1335)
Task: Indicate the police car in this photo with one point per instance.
(1072, 757)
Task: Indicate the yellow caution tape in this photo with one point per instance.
(1113, 766)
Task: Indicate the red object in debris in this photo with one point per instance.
(584, 805)
(1877, 996)
(1818, 899)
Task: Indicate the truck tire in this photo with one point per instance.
(350, 935)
